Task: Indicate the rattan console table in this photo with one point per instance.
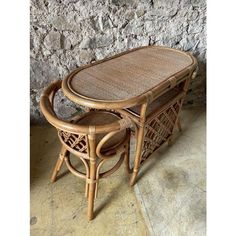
(147, 84)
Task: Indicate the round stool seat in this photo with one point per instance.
(91, 118)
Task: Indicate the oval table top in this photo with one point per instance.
(123, 80)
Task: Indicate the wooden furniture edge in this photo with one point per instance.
(119, 104)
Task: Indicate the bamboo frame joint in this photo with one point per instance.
(149, 96)
(172, 81)
(92, 129)
(91, 136)
(92, 161)
(125, 123)
(91, 181)
(194, 75)
(61, 156)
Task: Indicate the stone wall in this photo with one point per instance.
(70, 33)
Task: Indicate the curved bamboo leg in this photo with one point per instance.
(91, 189)
(58, 164)
(92, 178)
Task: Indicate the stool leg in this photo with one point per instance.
(92, 177)
(58, 164)
(91, 189)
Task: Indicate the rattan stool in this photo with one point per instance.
(94, 137)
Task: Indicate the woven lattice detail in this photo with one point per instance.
(159, 128)
(77, 142)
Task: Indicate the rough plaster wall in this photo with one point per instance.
(67, 34)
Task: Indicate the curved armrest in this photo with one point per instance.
(47, 97)
(117, 148)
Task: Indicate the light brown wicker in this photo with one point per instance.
(129, 78)
(94, 137)
(147, 84)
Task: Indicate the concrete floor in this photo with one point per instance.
(169, 198)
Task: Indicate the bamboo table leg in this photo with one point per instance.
(139, 144)
(137, 156)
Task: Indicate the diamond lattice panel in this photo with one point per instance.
(75, 141)
(159, 128)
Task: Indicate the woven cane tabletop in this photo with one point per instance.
(127, 75)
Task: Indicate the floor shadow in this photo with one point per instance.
(66, 172)
(155, 158)
(106, 201)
